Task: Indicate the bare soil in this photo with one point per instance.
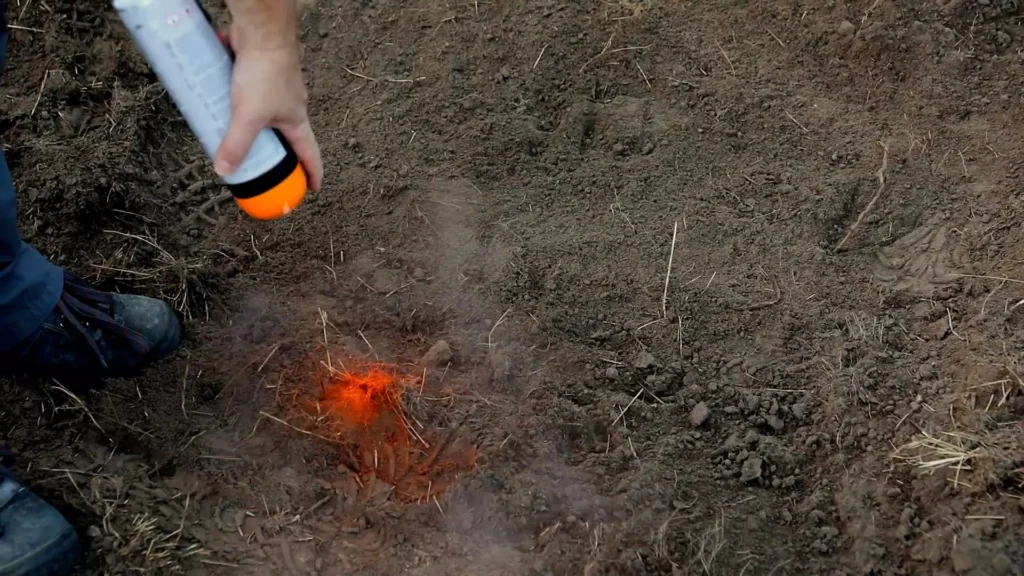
(827, 380)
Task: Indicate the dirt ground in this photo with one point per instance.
(728, 287)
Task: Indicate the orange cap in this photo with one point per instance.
(279, 200)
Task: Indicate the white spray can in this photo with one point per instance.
(183, 49)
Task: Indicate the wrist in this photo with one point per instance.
(269, 52)
(264, 26)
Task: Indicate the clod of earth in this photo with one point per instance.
(938, 330)
(699, 414)
(753, 403)
(644, 360)
(731, 444)
(751, 469)
(500, 365)
(799, 411)
(439, 354)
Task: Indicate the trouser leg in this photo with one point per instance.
(30, 285)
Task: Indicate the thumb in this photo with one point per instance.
(236, 144)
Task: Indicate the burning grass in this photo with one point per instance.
(365, 409)
(359, 399)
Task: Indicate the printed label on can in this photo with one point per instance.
(184, 51)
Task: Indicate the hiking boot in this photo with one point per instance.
(35, 540)
(96, 334)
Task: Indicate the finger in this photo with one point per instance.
(237, 141)
(304, 143)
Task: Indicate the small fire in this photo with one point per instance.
(359, 399)
(389, 445)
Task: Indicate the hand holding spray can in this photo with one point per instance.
(184, 51)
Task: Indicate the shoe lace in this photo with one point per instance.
(82, 305)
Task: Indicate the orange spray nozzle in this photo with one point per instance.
(278, 201)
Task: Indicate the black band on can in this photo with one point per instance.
(269, 179)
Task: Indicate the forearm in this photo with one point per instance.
(264, 25)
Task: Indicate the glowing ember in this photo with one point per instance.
(359, 399)
(388, 445)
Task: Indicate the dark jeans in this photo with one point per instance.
(30, 285)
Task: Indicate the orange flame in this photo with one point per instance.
(368, 404)
(359, 398)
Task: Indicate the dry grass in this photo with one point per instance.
(142, 540)
(147, 547)
(981, 450)
(661, 549)
(142, 264)
(866, 327)
(660, 539)
(628, 9)
(950, 450)
(709, 544)
(597, 537)
(965, 456)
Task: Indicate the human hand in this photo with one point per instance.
(268, 91)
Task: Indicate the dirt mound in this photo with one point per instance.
(513, 178)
